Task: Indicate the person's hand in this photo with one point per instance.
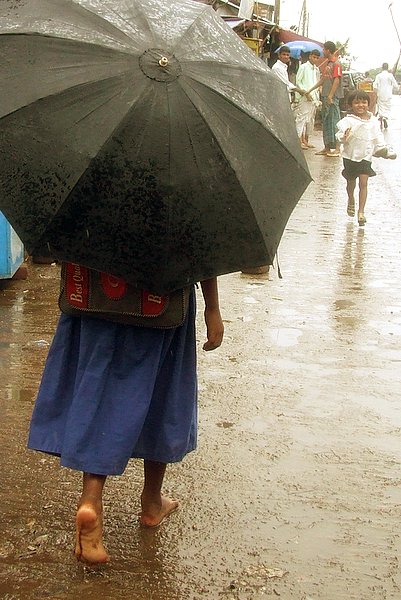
(347, 133)
(215, 329)
(308, 97)
(329, 100)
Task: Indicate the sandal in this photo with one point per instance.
(351, 209)
(361, 221)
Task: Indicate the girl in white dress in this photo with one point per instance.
(361, 138)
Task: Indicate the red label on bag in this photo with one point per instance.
(77, 285)
(153, 305)
(114, 287)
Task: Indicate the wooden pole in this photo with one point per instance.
(396, 63)
(277, 12)
(398, 35)
(302, 19)
(257, 24)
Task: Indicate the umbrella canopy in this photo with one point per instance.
(143, 138)
(298, 46)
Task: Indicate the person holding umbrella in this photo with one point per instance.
(111, 392)
(155, 157)
(307, 77)
(299, 47)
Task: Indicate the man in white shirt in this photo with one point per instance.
(280, 69)
(384, 84)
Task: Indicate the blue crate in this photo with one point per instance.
(11, 249)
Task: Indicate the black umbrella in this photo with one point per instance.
(143, 138)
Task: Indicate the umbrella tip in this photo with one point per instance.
(163, 62)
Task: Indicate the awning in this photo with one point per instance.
(233, 22)
(287, 35)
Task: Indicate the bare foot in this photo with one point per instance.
(89, 526)
(153, 513)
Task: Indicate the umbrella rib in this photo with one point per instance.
(184, 35)
(105, 142)
(237, 106)
(124, 19)
(189, 132)
(74, 66)
(218, 116)
(116, 13)
(118, 124)
(91, 112)
(63, 91)
(102, 18)
(78, 41)
(228, 67)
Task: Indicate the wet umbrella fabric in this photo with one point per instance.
(298, 46)
(143, 138)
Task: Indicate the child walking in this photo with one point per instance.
(111, 392)
(361, 138)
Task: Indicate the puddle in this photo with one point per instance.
(343, 304)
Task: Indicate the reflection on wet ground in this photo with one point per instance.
(295, 489)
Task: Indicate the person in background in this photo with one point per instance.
(305, 109)
(368, 78)
(361, 138)
(280, 69)
(332, 92)
(384, 84)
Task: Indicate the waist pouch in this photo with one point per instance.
(104, 296)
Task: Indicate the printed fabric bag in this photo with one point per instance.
(105, 296)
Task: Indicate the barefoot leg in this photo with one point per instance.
(363, 194)
(155, 507)
(351, 183)
(89, 522)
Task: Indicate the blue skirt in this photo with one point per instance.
(112, 392)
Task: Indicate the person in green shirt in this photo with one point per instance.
(307, 77)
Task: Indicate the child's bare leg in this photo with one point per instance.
(89, 521)
(363, 194)
(351, 183)
(155, 507)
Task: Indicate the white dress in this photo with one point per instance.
(364, 139)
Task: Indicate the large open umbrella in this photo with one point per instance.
(142, 137)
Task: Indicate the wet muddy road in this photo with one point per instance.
(295, 489)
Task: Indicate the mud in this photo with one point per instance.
(295, 489)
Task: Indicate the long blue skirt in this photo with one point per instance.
(112, 392)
